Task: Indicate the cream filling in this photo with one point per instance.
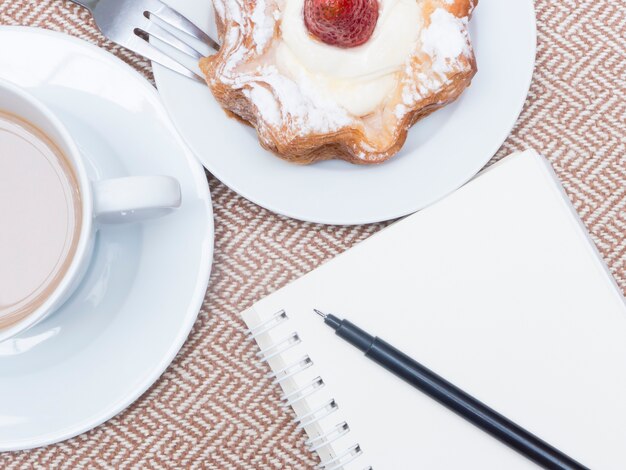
(360, 78)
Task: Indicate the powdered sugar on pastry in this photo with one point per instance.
(300, 103)
(277, 98)
(446, 43)
(264, 24)
(299, 92)
(445, 40)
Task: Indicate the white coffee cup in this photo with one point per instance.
(121, 200)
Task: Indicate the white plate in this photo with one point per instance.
(134, 310)
(442, 152)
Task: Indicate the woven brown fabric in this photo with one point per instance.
(213, 408)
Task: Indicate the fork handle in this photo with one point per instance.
(88, 4)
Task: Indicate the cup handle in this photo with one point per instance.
(135, 198)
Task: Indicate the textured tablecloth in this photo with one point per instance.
(213, 408)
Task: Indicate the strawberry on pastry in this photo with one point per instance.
(342, 23)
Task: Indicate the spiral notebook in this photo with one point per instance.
(499, 289)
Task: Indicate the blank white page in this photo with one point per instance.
(498, 289)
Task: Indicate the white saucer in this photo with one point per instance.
(442, 152)
(142, 294)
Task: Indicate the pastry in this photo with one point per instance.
(322, 79)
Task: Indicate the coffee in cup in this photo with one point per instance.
(40, 205)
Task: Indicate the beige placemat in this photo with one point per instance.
(213, 408)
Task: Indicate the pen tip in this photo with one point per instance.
(321, 314)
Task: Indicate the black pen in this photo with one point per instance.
(452, 397)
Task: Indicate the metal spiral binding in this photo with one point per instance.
(267, 325)
(342, 459)
(279, 348)
(288, 400)
(302, 392)
(321, 441)
(290, 370)
(317, 414)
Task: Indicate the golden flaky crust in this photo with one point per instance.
(359, 141)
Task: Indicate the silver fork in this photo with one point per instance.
(131, 23)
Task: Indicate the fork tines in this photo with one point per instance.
(177, 20)
(173, 29)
